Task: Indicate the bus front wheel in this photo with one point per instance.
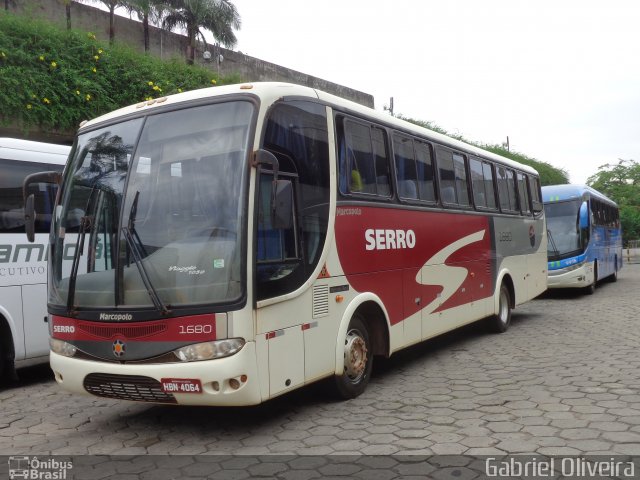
(500, 322)
(358, 360)
(614, 276)
(590, 290)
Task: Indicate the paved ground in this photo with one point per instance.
(564, 380)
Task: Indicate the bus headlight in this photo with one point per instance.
(210, 350)
(62, 348)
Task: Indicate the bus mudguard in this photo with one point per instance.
(353, 306)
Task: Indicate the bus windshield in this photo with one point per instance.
(152, 211)
(563, 229)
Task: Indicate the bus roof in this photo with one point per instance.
(30, 151)
(556, 193)
(269, 92)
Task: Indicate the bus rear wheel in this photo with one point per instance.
(358, 360)
(500, 322)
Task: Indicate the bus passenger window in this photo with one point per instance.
(405, 167)
(414, 169)
(447, 175)
(364, 160)
(506, 190)
(453, 177)
(489, 185)
(524, 194)
(461, 179)
(424, 164)
(482, 184)
(477, 182)
(536, 197)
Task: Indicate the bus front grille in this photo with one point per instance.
(126, 387)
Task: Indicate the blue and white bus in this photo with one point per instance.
(584, 237)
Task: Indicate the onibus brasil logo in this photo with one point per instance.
(23, 467)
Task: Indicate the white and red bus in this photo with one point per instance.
(227, 245)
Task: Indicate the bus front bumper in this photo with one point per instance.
(230, 381)
(573, 277)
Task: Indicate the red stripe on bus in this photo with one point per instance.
(189, 328)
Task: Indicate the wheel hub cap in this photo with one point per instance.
(355, 356)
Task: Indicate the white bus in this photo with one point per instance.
(227, 245)
(24, 337)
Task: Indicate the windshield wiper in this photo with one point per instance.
(553, 243)
(133, 240)
(85, 222)
(132, 221)
(137, 259)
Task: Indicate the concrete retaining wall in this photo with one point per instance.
(167, 45)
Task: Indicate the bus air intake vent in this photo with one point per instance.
(320, 301)
(126, 387)
(129, 332)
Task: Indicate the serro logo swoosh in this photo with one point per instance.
(451, 277)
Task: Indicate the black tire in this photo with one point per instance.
(358, 360)
(2, 363)
(613, 278)
(500, 322)
(590, 290)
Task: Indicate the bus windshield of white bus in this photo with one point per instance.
(563, 229)
(152, 211)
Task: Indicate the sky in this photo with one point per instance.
(560, 78)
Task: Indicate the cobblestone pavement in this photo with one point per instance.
(564, 380)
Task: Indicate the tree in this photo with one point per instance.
(111, 5)
(220, 17)
(147, 10)
(67, 11)
(621, 183)
(549, 175)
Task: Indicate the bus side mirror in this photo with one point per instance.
(30, 217)
(584, 215)
(283, 206)
(29, 199)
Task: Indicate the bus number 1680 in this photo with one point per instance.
(189, 329)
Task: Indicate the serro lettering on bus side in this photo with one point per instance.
(387, 239)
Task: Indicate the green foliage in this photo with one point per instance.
(621, 183)
(549, 175)
(54, 78)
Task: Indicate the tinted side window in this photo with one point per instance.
(414, 169)
(489, 185)
(364, 164)
(462, 190)
(287, 253)
(406, 171)
(511, 185)
(452, 171)
(446, 175)
(523, 193)
(12, 174)
(506, 189)
(426, 174)
(482, 183)
(536, 197)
